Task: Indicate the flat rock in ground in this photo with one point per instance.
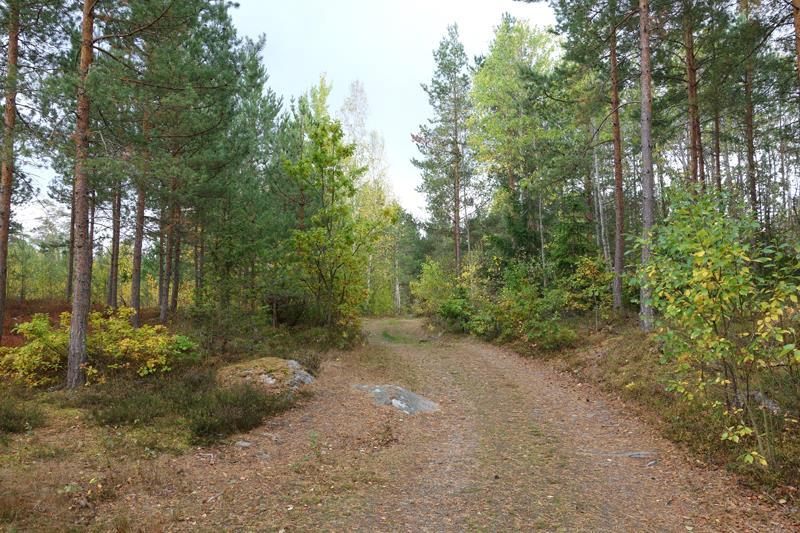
(399, 398)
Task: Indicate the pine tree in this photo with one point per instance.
(447, 161)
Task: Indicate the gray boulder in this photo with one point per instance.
(399, 398)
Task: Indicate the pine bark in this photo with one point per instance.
(163, 300)
(113, 271)
(71, 244)
(176, 273)
(136, 269)
(648, 186)
(796, 19)
(160, 291)
(7, 172)
(457, 219)
(76, 373)
(602, 235)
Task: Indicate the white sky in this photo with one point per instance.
(388, 45)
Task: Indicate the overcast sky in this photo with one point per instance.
(388, 45)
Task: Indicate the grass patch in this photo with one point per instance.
(395, 338)
(191, 400)
(17, 416)
(224, 412)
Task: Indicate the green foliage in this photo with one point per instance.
(41, 360)
(431, 290)
(114, 347)
(524, 313)
(457, 310)
(519, 309)
(329, 256)
(446, 159)
(588, 287)
(730, 320)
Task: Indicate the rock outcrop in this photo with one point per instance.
(271, 373)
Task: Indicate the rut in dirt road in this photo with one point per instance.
(523, 447)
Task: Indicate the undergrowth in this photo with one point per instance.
(17, 415)
(191, 399)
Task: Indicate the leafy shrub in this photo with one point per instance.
(483, 323)
(456, 311)
(41, 360)
(431, 290)
(519, 310)
(114, 347)
(730, 321)
(17, 416)
(589, 287)
(525, 312)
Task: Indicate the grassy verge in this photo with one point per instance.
(189, 403)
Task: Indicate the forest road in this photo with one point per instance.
(515, 446)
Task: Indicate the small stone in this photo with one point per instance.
(243, 444)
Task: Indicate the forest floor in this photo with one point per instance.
(516, 445)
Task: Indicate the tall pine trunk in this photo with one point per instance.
(82, 284)
(602, 235)
(176, 272)
(648, 186)
(71, 244)
(198, 264)
(749, 126)
(136, 269)
(717, 150)
(138, 237)
(163, 299)
(796, 19)
(113, 271)
(457, 216)
(619, 239)
(7, 172)
(696, 166)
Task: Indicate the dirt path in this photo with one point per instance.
(515, 446)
